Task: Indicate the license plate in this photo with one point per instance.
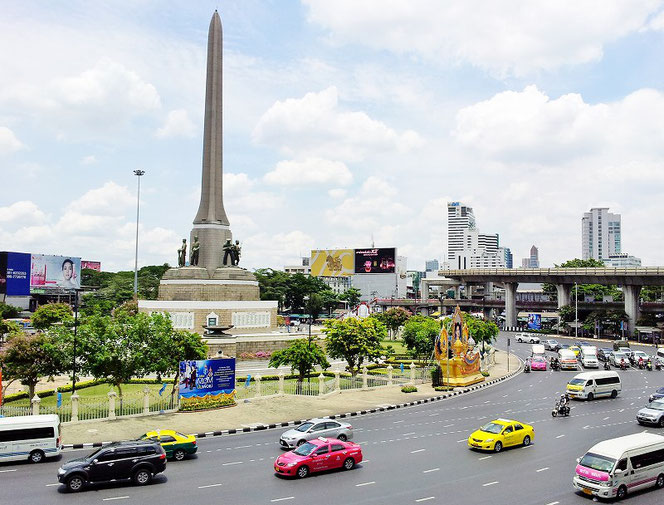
(587, 491)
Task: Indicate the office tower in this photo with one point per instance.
(600, 234)
(431, 265)
(534, 257)
(460, 219)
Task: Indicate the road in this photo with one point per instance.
(412, 455)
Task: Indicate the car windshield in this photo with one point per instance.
(577, 382)
(553, 341)
(304, 427)
(494, 428)
(641, 354)
(656, 405)
(597, 462)
(619, 355)
(538, 360)
(305, 449)
(94, 454)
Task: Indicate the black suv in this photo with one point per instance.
(138, 460)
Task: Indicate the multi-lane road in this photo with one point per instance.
(412, 455)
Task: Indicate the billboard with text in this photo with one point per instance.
(209, 377)
(92, 265)
(332, 262)
(375, 260)
(14, 274)
(54, 273)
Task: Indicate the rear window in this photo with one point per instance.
(26, 434)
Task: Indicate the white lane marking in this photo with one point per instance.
(631, 404)
(406, 434)
(490, 483)
(484, 457)
(418, 450)
(244, 446)
(560, 436)
(365, 483)
(621, 410)
(54, 484)
(553, 503)
(462, 440)
(395, 422)
(5, 471)
(431, 470)
(542, 469)
(232, 463)
(116, 498)
(448, 425)
(608, 417)
(283, 499)
(425, 499)
(209, 485)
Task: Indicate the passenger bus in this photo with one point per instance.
(31, 438)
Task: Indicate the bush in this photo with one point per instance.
(409, 389)
(484, 373)
(443, 388)
(205, 403)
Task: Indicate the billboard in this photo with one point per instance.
(209, 377)
(92, 265)
(332, 262)
(14, 274)
(534, 321)
(375, 260)
(54, 272)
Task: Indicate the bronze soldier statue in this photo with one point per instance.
(182, 253)
(195, 247)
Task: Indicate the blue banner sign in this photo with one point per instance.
(534, 321)
(211, 377)
(15, 273)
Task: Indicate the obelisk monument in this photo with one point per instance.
(211, 224)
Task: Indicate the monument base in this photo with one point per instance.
(463, 381)
(195, 283)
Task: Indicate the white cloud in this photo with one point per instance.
(503, 37)
(89, 160)
(315, 125)
(337, 193)
(8, 141)
(110, 199)
(177, 124)
(24, 211)
(309, 172)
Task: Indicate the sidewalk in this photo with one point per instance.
(263, 411)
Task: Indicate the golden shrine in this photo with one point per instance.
(457, 355)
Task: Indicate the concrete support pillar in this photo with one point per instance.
(631, 294)
(337, 380)
(510, 303)
(35, 405)
(389, 374)
(321, 384)
(111, 404)
(564, 294)
(74, 407)
(258, 384)
(424, 287)
(281, 382)
(412, 372)
(364, 377)
(146, 400)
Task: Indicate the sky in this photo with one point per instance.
(346, 123)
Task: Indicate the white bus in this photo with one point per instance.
(615, 467)
(30, 437)
(591, 385)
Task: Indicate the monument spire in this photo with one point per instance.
(211, 224)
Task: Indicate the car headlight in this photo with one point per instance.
(489, 440)
(61, 471)
(289, 465)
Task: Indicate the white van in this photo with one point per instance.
(567, 359)
(590, 385)
(29, 437)
(588, 356)
(538, 350)
(613, 467)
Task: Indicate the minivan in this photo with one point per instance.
(567, 359)
(613, 467)
(588, 356)
(31, 438)
(591, 385)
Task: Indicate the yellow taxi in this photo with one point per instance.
(575, 349)
(176, 445)
(500, 433)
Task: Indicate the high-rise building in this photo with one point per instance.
(534, 257)
(622, 260)
(600, 234)
(506, 253)
(431, 265)
(460, 219)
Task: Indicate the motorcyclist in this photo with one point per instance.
(607, 365)
(623, 365)
(649, 365)
(641, 363)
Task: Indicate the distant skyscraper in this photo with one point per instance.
(431, 265)
(460, 218)
(600, 234)
(506, 253)
(534, 257)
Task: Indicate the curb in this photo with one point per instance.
(285, 424)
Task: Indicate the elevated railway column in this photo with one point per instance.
(510, 303)
(631, 294)
(564, 294)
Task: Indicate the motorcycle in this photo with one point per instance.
(641, 365)
(623, 365)
(658, 364)
(649, 365)
(560, 409)
(526, 367)
(555, 364)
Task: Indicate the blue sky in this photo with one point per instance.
(343, 121)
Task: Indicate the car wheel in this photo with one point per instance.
(614, 393)
(659, 483)
(622, 492)
(342, 437)
(639, 422)
(75, 483)
(554, 413)
(302, 472)
(179, 455)
(36, 457)
(300, 442)
(349, 464)
(591, 396)
(661, 422)
(526, 441)
(142, 477)
(498, 447)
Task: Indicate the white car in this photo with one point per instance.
(315, 428)
(527, 337)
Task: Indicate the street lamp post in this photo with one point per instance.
(138, 174)
(441, 297)
(73, 380)
(576, 310)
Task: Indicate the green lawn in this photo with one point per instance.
(397, 345)
(97, 393)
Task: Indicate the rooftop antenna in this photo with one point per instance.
(373, 245)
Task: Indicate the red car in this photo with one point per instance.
(318, 455)
(538, 363)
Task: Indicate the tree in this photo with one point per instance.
(354, 340)
(352, 296)
(314, 306)
(481, 330)
(52, 313)
(419, 336)
(567, 313)
(393, 318)
(300, 356)
(28, 358)
(8, 311)
(8, 328)
(330, 300)
(594, 290)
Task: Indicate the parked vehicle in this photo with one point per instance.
(591, 385)
(176, 445)
(612, 467)
(138, 460)
(567, 359)
(315, 428)
(551, 345)
(31, 438)
(527, 337)
(318, 455)
(653, 413)
(588, 356)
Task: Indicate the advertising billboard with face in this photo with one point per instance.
(92, 265)
(534, 321)
(209, 377)
(332, 262)
(375, 260)
(54, 272)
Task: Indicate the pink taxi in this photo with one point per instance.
(538, 363)
(318, 455)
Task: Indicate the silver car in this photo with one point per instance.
(653, 413)
(315, 428)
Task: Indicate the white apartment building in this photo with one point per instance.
(466, 246)
(600, 234)
(622, 260)
(460, 218)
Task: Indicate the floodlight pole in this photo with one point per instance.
(138, 174)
